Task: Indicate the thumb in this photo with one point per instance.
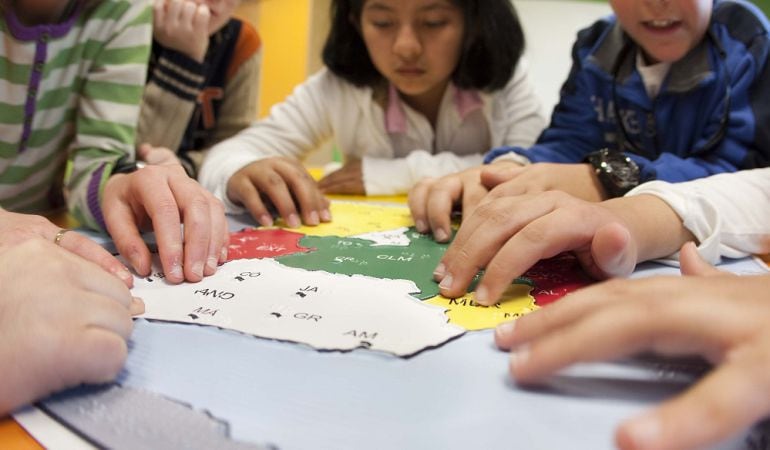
(691, 263)
(613, 253)
(614, 250)
(144, 151)
(499, 173)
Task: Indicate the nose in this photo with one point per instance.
(407, 44)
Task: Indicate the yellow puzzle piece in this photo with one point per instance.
(465, 312)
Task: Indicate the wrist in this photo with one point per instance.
(654, 226)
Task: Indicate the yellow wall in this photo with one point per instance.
(292, 33)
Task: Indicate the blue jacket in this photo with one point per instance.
(671, 132)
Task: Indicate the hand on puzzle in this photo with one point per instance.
(349, 180)
(432, 200)
(63, 321)
(508, 235)
(722, 317)
(162, 198)
(16, 228)
(282, 184)
(182, 25)
(578, 180)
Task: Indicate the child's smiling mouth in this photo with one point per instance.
(662, 25)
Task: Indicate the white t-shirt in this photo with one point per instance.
(394, 156)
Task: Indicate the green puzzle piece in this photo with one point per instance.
(353, 256)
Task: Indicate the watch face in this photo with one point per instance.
(623, 171)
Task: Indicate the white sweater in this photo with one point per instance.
(326, 107)
(729, 213)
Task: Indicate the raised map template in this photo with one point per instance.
(363, 281)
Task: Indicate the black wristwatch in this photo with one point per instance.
(616, 172)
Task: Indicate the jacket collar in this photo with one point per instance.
(685, 74)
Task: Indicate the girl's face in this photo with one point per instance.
(414, 44)
(665, 29)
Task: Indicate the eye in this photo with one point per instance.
(381, 24)
(435, 23)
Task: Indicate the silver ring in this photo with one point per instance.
(60, 235)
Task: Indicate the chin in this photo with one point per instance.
(668, 55)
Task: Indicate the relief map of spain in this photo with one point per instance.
(362, 281)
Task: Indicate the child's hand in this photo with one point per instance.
(16, 228)
(349, 179)
(158, 195)
(182, 25)
(156, 155)
(578, 180)
(724, 318)
(508, 235)
(286, 184)
(63, 321)
(431, 201)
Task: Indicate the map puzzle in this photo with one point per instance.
(362, 281)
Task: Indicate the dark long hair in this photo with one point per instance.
(491, 48)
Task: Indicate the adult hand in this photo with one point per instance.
(724, 318)
(163, 197)
(578, 180)
(286, 184)
(432, 199)
(349, 180)
(16, 228)
(508, 235)
(182, 25)
(156, 155)
(63, 321)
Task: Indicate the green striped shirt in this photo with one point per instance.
(69, 103)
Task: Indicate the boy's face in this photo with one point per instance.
(414, 44)
(665, 29)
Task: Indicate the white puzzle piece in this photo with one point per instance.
(326, 311)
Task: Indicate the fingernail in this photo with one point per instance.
(137, 306)
(176, 271)
(314, 218)
(446, 283)
(223, 254)
(482, 295)
(420, 226)
(644, 432)
(326, 215)
(293, 221)
(124, 275)
(505, 330)
(439, 271)
(266, 220)
(135, 261)
(211, 263)
(441, 235)
(519, 356)
(197, 269)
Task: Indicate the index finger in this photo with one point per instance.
(90, 250)
(157, 198)
(440, 200)
(417, 200)
(305, 190)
